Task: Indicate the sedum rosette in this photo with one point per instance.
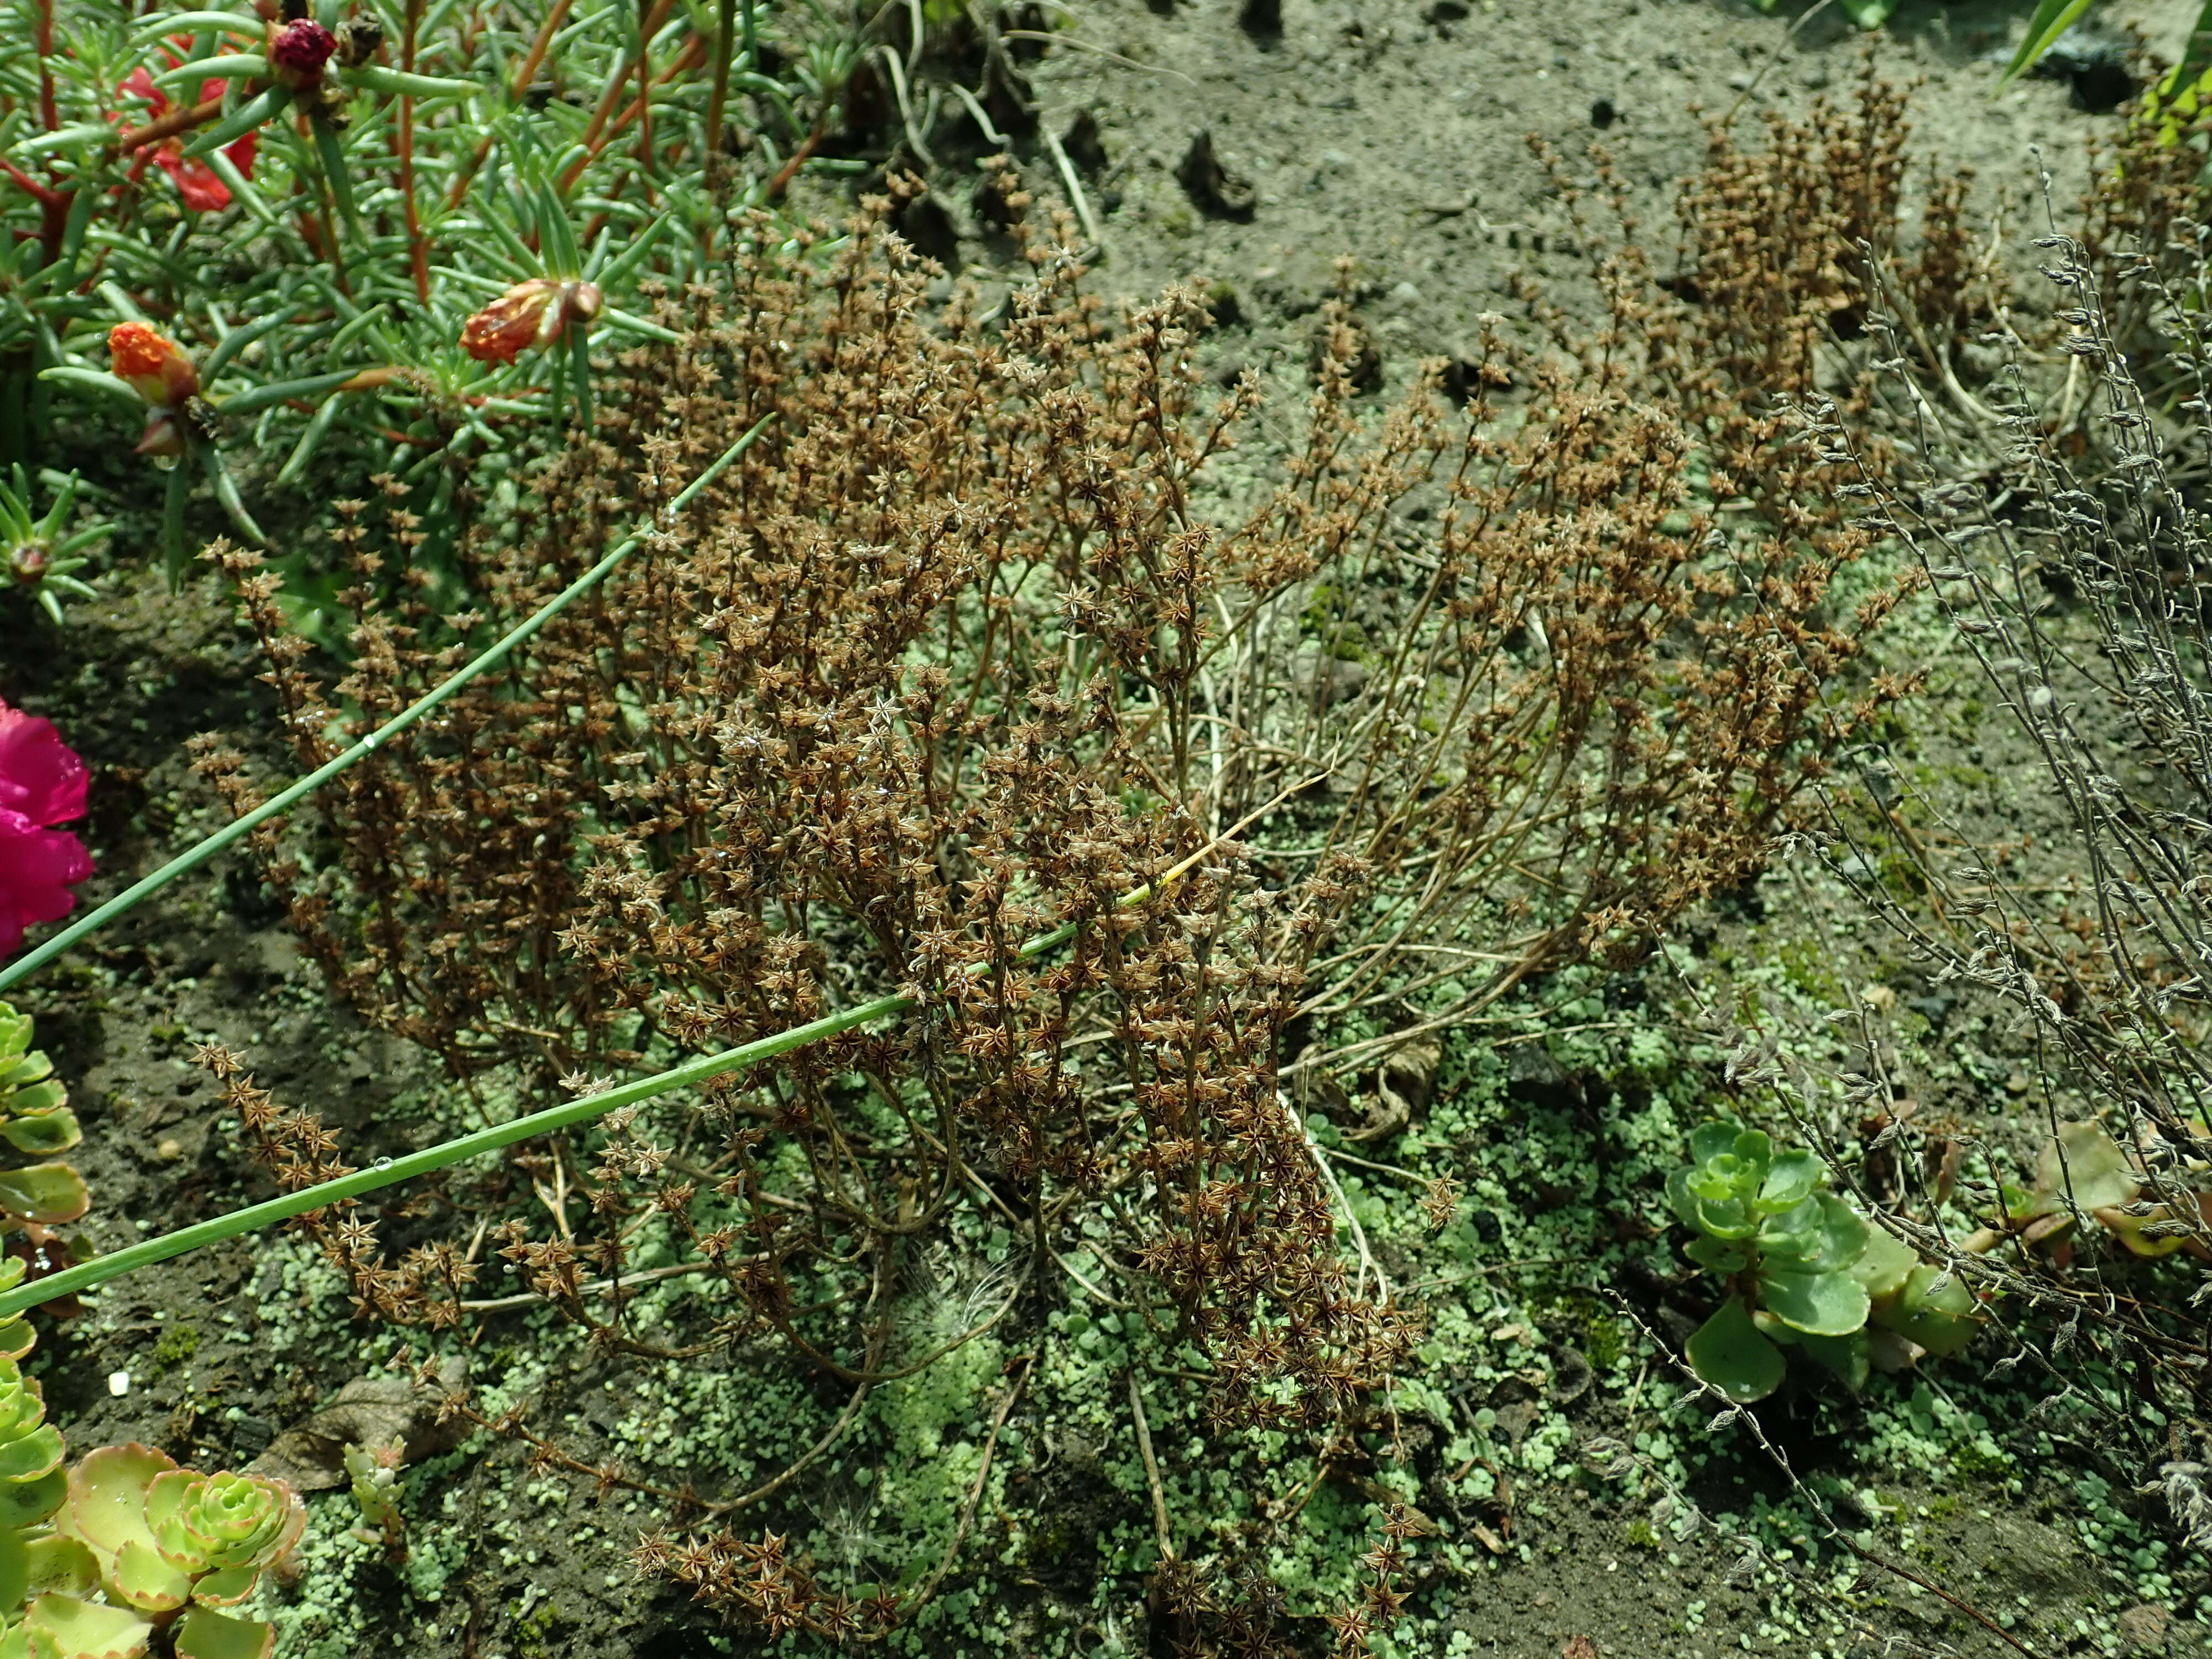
(1804, 1271)
(164, 1536)
(141, 1554)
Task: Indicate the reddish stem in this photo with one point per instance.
(180, 119)
(43, 33)
(517, 88)
(645, 97)
(418, 247)
(789, 170)
(45, 194)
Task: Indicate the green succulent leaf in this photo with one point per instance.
(1795, 1235)
(64, 1564)
(26, 1502)
(2081, 1162)
(1884, 1265)
(1818, 1304)
(29, 1456)
(204, 1634)
(1718, 1255)
(14, 1574)
(1790, 1180)
(1728, 1353)
(1942, 1320)
(30, 1447)
(1842, 1237)
(16, 1336)
(1679, 1198)
(139, 1577)
(69, 1627)
(1846, 1356)
(41, 1133)
(1727, 1218)
(232, 1525)
(1709, 1141)
(49, 1194)
(107, 1507)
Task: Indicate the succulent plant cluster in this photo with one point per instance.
(35, 1123)
(96, 1561)
(125, 1550)
(42, 553)
(1804, 1270)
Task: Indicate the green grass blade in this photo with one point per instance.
(2052, 19)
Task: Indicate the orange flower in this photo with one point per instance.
(155, 365)
(533, 314)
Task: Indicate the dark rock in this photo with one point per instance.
(1262, 19)
(1084, 144)
(1211, 186)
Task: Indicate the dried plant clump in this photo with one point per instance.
(959, 652)
(2095, 1270)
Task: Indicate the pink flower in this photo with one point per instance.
(297, 52)
(42, 783)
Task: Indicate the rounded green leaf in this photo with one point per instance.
(226, 1588)
(2085, 1164)
(1848, 1356)
(1884, 1265)
(14, 1574)
(1821, 1305)
(28, 1094)
(26, 1502)
(1709, 1141)
(1790, 1180)
(47, 1193)
(202, 1634)
(1943, 1320)
(78, 1629)
(1679, 1198)
(140, 1577)
(64, 1564)
(1842, 1236)
(37, 1133)
(107, 1498)
(1728, 1353)
(30, 1455)
(1717, 1255)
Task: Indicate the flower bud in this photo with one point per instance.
(28, 562)
(533, 314)
(298, 51)
(359, 37)
(155, 365)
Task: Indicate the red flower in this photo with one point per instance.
(201, 187)
(533, 314)
(42, 782)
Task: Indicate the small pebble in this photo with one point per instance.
(119, 1383)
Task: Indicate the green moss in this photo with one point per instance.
(178, 1345)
